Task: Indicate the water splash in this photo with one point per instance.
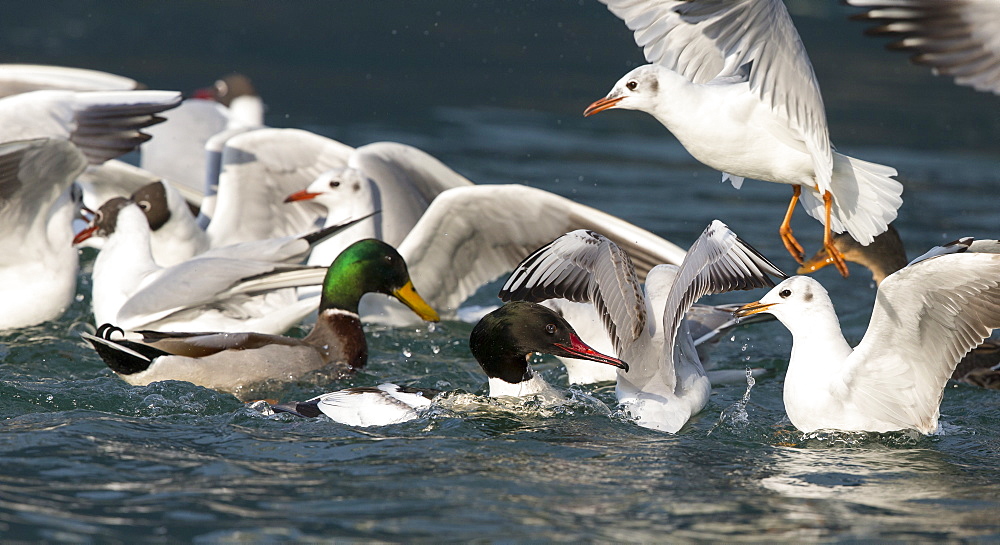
(736, 414)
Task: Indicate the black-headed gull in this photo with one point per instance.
(927, 316)
(666, 384)
(38, 264)
(732, 81)
(210, 292)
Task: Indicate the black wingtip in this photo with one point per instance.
(305, 409)
(326, 232)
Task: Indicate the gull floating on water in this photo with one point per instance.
(501, 342)
(884, 256)
(927, 316)
(957, 38)
(666, 384)
(732, 81)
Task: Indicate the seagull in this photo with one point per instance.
(179, 151)
(211, 292)
(260, 168)
(38, 199)
(927, 316)
(401, 180)
(956, 38)
(502, 342)
(230, 362)
(38, 264)
(884, 256)
(666, 384)
(732, 81)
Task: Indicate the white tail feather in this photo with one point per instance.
(866, 198)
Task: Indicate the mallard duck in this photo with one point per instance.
(501, 342)
(230, 361)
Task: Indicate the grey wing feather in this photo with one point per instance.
(584, 266)
(926, 318)
(957, 38)
(708, 39)
(717, 262)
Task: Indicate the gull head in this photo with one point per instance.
(792, 301)
(637, 90)
(345, 192)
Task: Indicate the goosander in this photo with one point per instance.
(502, 342)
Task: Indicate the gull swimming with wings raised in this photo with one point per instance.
(667, 384)
(927, 316)
(732, 81)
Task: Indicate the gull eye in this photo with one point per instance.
(784, 293)
(334, 184)
(550, 328)
(632, 85)
(144, 205)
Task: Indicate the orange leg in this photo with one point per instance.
(785, 230)
(831, 250)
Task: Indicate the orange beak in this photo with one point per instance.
(301, 196)
(601, 105)
(752, 308)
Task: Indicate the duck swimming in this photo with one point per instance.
(230, 361)
(501, 342)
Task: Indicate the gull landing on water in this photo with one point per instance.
(927, 316)
(732, 81)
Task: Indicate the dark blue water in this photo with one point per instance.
(495, 90)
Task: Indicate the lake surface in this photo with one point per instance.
(495, 90)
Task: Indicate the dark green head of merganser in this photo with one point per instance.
(502, 341)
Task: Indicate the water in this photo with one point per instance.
(495, 89)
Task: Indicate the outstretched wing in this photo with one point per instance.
(472, 235)
(708, 39)
(957, 38)
(719, 261)
(926, 317)
(584, 267)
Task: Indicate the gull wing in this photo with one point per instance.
(927, 316)
(33, 175)
(717, 262)
(194, 283)
(705, 40)
(584, 267)
(261, 168)
(957, 38)
(472, 235)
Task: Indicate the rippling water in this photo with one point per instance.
(90, 458)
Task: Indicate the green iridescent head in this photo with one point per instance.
(370, 266)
